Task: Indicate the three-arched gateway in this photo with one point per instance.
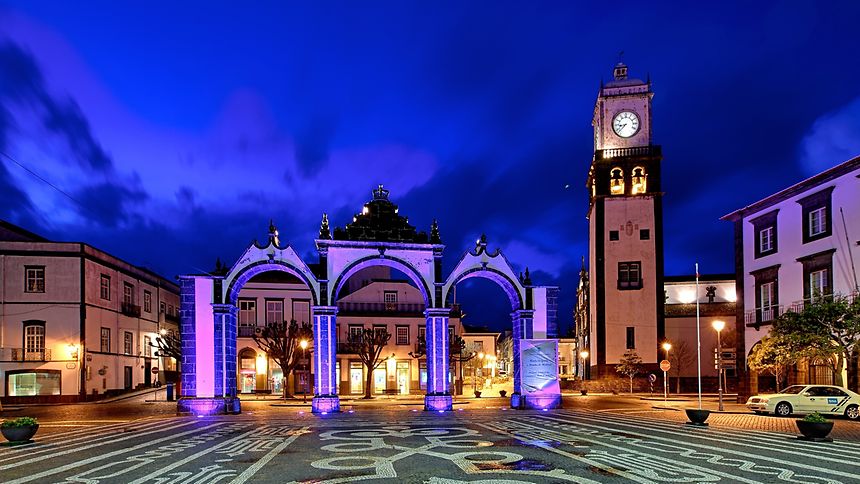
(377, 236)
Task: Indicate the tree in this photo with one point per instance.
(368, 345)
(827, 328)
(280, 341)
(505, 353)
(456, 352)
(680, 356)
(168, 343)
(630, 365)
(773, 356)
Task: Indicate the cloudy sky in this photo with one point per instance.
(170, 134)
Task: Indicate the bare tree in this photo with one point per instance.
(281, 342)
(680, 356)
(630, 365)
(457, 352)
(368, 345)
(168, 343)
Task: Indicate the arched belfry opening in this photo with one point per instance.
(378, 238)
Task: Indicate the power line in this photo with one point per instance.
(43, 180)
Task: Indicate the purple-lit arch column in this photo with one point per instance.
(523, 320)
(325, 360)
(438, 392)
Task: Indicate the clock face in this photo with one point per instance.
(625, 124)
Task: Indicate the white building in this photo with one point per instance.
(76, 322)
(795, 243)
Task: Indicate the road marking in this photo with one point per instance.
(102, 456)
(747, 455)
(249, 472)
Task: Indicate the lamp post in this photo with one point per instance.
(583, 355)
(718, 327)
(475, 372)
(666, 347)
(304, 345)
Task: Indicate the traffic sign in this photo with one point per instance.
(652, 377)
(665, 365)
(155, 370)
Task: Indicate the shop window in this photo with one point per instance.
(30, 383)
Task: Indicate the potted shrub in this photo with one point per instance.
(814, 427)
(502, 393)
(697, 416)
(20, 429)
(477, 394)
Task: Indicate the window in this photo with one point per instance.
(355, 331)
(616, 181)
(817, 221)
(766, 294)
(478, 346)
(631, 338)
(34, 279)
(247, 312)
(765, 239)
(613, 235)
(147, 346)
(764, 229)
(380, 329)
(450, 333)
(274, 311)
(403, 335)
(34, 340)
(644, 234)
(638, 181)
(817, 215)
(422, 333)
(161, 307)
(105, 287)
(29, 383)
(170, 309)
(390, 297)
(629, 275)
(147, 301)
(127, 293)
(105, 340)
(817, 274)
(302, 311)
(127, 343)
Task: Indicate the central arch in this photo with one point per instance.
(375, 260)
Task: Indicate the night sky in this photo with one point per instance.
(173, 133)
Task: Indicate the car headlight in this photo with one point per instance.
(763, 400)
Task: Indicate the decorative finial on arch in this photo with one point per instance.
(325, 232)
(527, 281)
(380, 193)
(481, 244)
(435, 238)
(273, 233)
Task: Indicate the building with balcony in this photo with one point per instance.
(789, 247)
(75, 322)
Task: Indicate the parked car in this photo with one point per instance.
(803, 399)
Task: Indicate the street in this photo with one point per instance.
(594, 439)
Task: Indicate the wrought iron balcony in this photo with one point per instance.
(380, 308)
(174, 318)
(22, 354)
(247, 331)
(344, 349)
(760, 316)
(130, 309)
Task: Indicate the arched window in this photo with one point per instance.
(34, 340)
(639, 181)
(616, 181)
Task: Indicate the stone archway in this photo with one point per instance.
(533, 315)
(378, 235)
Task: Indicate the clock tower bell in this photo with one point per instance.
(625, 227)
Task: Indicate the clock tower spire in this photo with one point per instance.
(625, 226)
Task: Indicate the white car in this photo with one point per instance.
(824, 399)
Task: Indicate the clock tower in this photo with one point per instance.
(625, 219)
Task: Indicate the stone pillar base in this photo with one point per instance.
(324, 405)
(209, 406)
(535, 402)
(439, 403)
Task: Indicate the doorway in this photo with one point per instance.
(403, 377)
(356, 378)
(147, 373)
(127, 378)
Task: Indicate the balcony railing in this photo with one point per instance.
(380, 307)
(760, 316)
(247, 331)
(344, 349)
(21, 354)
(619, 152)
(174, 318)
(130, 309)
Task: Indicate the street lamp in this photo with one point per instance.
(666, 347)
(304, 345)
(583, 355)
(718, 327)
